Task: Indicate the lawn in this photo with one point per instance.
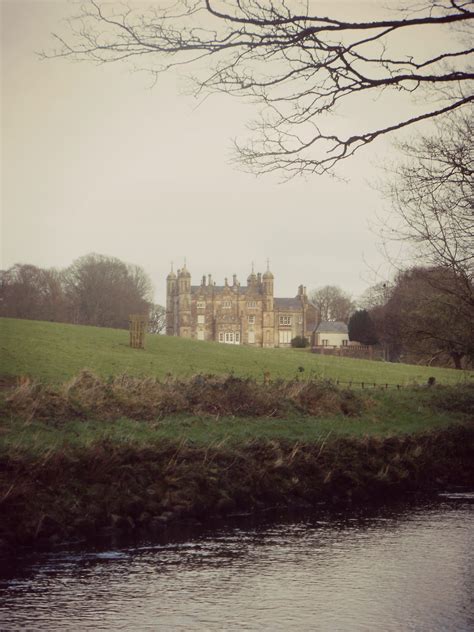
(54, 352)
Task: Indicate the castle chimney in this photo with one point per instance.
(234, 279)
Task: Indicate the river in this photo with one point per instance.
(397, 567)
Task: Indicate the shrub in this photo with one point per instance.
(299, 342)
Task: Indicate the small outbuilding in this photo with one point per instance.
(331, 334)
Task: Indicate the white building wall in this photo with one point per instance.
(333, 339)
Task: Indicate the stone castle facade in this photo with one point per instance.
(235, 314)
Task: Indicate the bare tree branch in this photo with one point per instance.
(297, 65)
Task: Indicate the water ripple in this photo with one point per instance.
(409, 569)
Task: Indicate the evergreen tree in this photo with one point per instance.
(361, 328)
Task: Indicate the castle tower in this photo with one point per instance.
(170, 303)
(184, 303)
(267, 283)
(252, 279)
(268, 328)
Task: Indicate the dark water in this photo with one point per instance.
(404, 567)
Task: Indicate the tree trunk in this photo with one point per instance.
(457, 356)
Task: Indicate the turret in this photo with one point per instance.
(170, 302)
(268, 329)
(267, 280)
(252, 278)
(184, 303)
(184, 280)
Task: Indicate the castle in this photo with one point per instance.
(235, 314)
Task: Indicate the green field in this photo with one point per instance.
(53, 352)
(392, 414)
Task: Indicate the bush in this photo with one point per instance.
(299, 342)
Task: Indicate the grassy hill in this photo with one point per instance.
(53, 352)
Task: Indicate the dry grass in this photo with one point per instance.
(89, 396)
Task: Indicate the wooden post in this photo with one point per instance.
(138, 325)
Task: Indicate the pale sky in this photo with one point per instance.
(93, 160)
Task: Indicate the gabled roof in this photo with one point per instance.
(287, 303)
(331, 327)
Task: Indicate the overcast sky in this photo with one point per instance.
(96, 161)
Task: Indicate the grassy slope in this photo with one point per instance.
(55, 352)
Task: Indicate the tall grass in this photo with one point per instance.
(89, 396)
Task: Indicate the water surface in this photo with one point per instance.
(404, 567)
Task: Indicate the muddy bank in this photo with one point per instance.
(107, 488)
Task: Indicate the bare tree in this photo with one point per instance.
(431, 191)
(332, 304)
(157, 319)
(104, 291)
(27, 291)
(298, 65)
(423, 318)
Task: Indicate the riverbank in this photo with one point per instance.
(70, 471)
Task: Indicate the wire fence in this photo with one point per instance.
(383, 385)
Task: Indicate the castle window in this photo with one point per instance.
(229, 337)
(226, 304)
(201, 319)
(325, 342)
(251, 319)
(201, 304)
(300, 320)
(345, 343)
(285, 320)
(252, 304)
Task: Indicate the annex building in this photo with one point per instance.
(236, 314)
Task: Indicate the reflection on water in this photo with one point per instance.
(403, 568)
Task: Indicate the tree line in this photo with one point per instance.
(420, 317)
(94, 290)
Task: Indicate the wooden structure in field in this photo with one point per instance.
(138, 325)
